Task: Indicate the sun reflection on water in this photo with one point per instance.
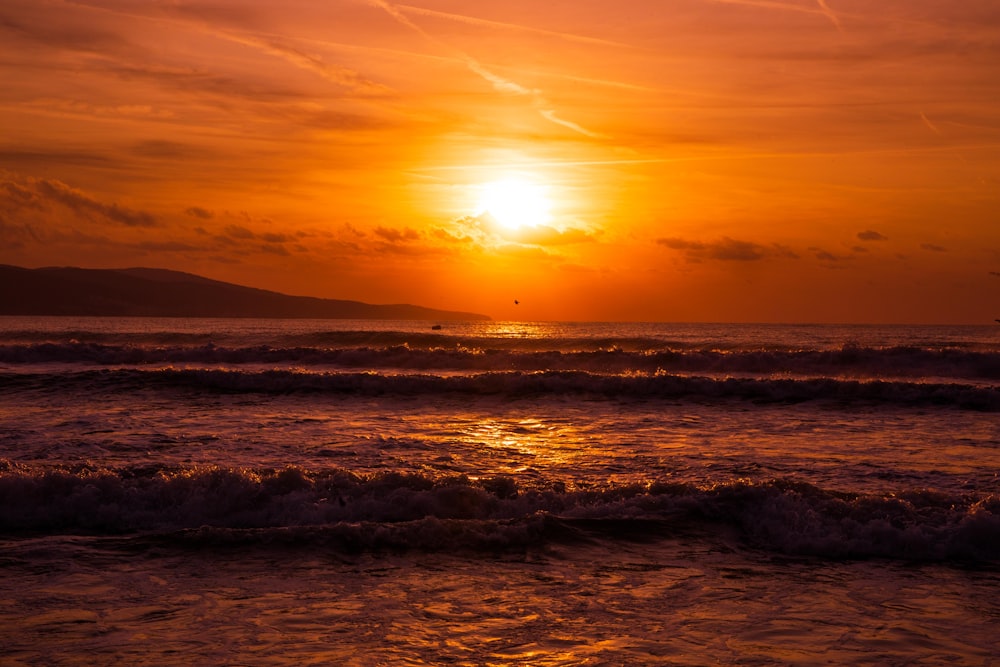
(516, 329)
(519, 445)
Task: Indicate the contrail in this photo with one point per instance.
(426, 56)
(551, 116)
(500, 83)
(472, 20)
(830, 15)
(769, 4)
(823, 9)
(928, 123)
(341, 76)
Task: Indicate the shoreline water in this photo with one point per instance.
(562, 494)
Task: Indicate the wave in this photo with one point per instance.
(845, 361)
(343, 339)
(341, 510)
(518, 384)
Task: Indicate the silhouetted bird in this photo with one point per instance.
(517, 302)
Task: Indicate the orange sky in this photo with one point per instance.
(704, 160)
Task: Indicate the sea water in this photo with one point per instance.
(252, 492)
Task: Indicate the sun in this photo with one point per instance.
(515, 202)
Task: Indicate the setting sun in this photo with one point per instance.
(515, 202)
(500, 332)
(698, 160)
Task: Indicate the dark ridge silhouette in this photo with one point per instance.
(144, 292)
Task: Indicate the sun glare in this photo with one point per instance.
(515, 202)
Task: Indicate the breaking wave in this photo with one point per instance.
(339, 510)
(518, 384)
(846, 361)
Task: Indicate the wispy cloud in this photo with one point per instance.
(550, 115)
(872, 235)
(727, 250)
(779, 6)
(201, 19)
(167, 246)
(484, 230)
(199, 212)
(38, 193)
(499, 83)
(394, 235)
(472, 20)
(544, 235)
(824, 255)
(927, 121)
(830, 14)
(335, 74)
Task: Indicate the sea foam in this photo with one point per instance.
(343, 510)
(519, 384)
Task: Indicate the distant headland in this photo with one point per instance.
(145, 292)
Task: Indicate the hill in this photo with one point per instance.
(145, 292)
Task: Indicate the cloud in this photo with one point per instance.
(20, 197)
(340, 76)
(167, 246)
(500, 84)
(471, 20)
(41, 193)
(406, 248)
(930, 247)
(515, 250)
(85, 205)
(271, 237)
(83, 30)
(274, 249)
(194, 80)
(14, 237)
(42, 158)
(829, 13)
(826, 255)
(198, 212)
(486, 230)
(353, 231)
(397, 235)
(64, 108)
(36, 23)
(927, 121)
(995, 274)
(238, 232)
(872, 235)
(450, 237)
(823, 9)
(551, 116)
(727, 250)
(273, 242)
(545, 235)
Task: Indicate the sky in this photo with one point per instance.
(667, 160)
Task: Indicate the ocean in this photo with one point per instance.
(331, 492)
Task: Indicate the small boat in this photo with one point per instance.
(436, 327)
